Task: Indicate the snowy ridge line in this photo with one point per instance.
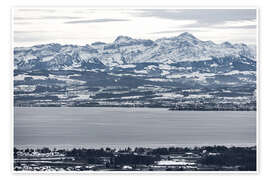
(126, 50)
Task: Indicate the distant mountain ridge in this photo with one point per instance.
(126, 50)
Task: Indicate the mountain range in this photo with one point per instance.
(181, 71)
(126, 50)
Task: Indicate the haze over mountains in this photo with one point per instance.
(181, 71)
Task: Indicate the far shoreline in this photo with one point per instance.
(138, 107)
(120, 146)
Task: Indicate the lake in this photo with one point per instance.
(94, 127)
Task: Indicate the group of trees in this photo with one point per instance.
(245, 158)
(125, 156)
(88, 155)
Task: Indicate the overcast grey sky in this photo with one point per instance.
(85, 26)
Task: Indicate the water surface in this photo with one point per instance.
(122, 127)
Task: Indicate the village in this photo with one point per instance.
(215, 158)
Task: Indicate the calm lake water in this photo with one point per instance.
(121, 127)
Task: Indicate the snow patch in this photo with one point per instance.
(127, 66)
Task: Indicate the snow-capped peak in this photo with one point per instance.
(187, 36)
(122, 39)
(227, 44)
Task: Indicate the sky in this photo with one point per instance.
(81, 26)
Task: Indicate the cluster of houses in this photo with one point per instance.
(55, 161)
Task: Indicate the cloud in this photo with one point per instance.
(46, 17)
(238, 27)
(50, 25)
(30, 37)
(23, 18)
(203, 17)
(84, 11)
(60, 17)
(219, 26)
(22, 23)
(95, 21)
(36, 10)
(175, 31)
(22, 32)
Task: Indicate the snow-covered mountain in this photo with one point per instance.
(126, 50)
(180, 71)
